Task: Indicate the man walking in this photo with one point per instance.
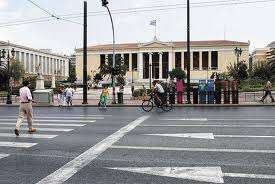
(268, 88)
(25, 108)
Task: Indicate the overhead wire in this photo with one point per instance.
(132, 10)
(52, 15)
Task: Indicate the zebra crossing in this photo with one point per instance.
(48, 127)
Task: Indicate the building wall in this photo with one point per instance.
(30, 59)
(226, 55)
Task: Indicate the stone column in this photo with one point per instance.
(160, 65)
(170, 61)
(200, 60)
(150, 63)
(182, 60)
(140, 65)
(209, 60)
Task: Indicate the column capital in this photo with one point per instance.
(160, 53)
(150, 53)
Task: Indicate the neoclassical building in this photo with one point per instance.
(50, 63)
(161, 57)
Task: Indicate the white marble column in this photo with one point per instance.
(209, 60)
(160, 65)
(140, 65)
(200, 61)
(130, 62)
(170, 61)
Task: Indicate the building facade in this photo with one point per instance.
(50, 63)
(158, 58)
(264, 54)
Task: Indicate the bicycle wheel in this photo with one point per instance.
(166, 107)
(147, 105)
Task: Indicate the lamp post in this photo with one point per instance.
(238, 53)
(132, 87)
(188, 52)
(9, 101)
(104, 4)
(150, 80)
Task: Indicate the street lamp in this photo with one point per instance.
(238, 53)
(104, 4)
(150, 66)
(9, 101)
(132, 87)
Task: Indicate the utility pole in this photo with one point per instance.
(85, 87)
(188, 52)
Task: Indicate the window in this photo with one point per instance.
(196, 62)
(185, 61)
(214, 60)
(32, 64)
(178, 60)
(205, 60)
(27, 63)
(102, 59)
(134, 61)
(17, 55)
(165, 58)
(23, 58)
(126, 60)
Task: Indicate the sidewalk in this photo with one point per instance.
(245, 99)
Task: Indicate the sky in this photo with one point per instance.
(237, 22)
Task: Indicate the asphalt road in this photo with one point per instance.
(81, 145)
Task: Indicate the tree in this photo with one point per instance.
(3, 74)
(89, 77)
(106, 69)
(261, 70)
(72, 75)
(238, 71)
(177, 73)
(16, 70)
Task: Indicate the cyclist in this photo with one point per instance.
(158, 92)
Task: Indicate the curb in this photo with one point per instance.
(135, 105)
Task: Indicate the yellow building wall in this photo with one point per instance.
(93, 62)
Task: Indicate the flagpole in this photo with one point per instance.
(156, 31)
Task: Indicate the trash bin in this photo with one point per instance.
(210, 91)
(195, 95)
(119, 97)
(202, 91)
(218, 91)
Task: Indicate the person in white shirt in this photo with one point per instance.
(158, 92)
(25, 108)
(69, 92)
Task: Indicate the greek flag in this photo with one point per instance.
(153, 22)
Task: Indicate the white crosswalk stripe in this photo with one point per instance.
(38, 136)
(17, 144)
(50, 124)
(3, 155)
(43, 129)
(54, 120)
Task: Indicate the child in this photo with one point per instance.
(103, 96)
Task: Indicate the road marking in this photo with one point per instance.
(208, 136)
(17, 144)
(186, 119)
(50, 124)
(203, 174)
(230, 126)
(213, 119)
(3, 155)
(53, 120)
(72, 167)
(38, 136)
(193, 149)
(42, 129)
(62, 116)
(256, 176)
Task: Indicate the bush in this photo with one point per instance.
(136, 93)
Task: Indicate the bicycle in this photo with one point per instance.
(147, 105)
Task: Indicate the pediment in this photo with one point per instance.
(155, 44)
